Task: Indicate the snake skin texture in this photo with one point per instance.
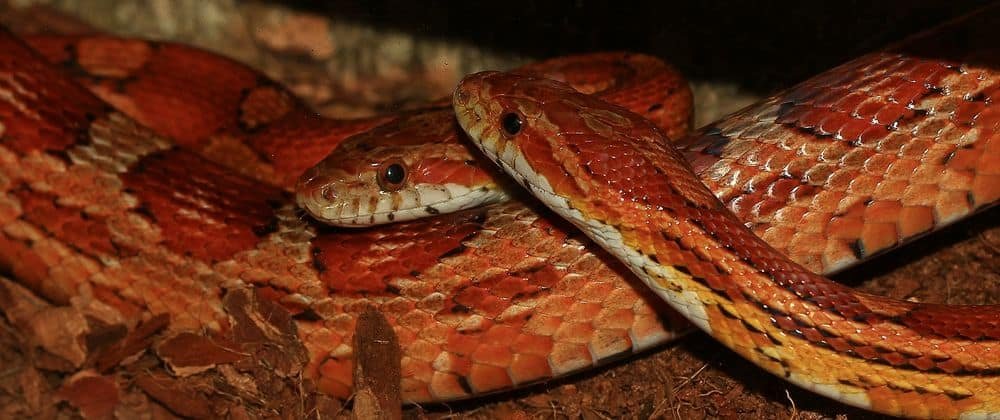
(827, 205)
(920, 116)
(122, 223)
(441, 174)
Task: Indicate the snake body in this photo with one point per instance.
(106, 215)
(609, 172)
(122, 221)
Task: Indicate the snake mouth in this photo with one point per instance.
(311, 191)
(364, 209)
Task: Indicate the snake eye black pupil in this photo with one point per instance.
(395, 173)
(511, 123)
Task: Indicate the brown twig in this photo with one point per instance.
(376, 368)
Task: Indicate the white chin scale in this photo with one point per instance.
(421, 201)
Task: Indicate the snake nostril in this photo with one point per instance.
(327, 193)
(461, 95)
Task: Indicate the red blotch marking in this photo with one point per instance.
(833, 122)
(300, 140)
(19, 260)
(179, 91)
(69, 225)
(40, 108)
(202, 210)
(442, 171)
(366, 261)
(967, 112)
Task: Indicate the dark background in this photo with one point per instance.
(761, 45)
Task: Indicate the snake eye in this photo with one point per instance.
(511, 123)
(391, 176)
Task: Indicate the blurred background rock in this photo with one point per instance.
(359, 58)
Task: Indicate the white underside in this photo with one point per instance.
(667, 282)
(422, 201)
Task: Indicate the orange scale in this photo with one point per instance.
(833, 123)
(567, 357)
(398, 307)
(845, 227)
(510, 286)
(609, 343)
(595, 291)
(447, 386)
(989, 117)
(583, 311)
(956, 180)
(916, 148)
(452, 363)
(892, 113)
(872, 136)
(907, 93)
(815, 219)
(850, 102)
(952, 205)
(803, 243)
(819, 173)
(777, 236)
(435, 333)
(765, 210)
(802, 193)
(964, 158)
(920, 195)
(471, 296)
(968, 112)
(461, 344)
(538, 345)
(416, 369)
(621, 298)
(797, 168)
(614, 319)
(862, 184)
(493, 355)
(500, 334)
(876, 237)
(334, 368)
(414, 390)
(528, 368)
(882, 211)
(423, 350)
(986, 189)
(782, 187)
(742, 206)
(484, 378)
(573, 332)
(902, 168)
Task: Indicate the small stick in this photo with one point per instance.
(376, 368)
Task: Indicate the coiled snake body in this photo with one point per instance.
(103, 214)
(583, 158)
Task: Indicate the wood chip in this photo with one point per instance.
(376, 368)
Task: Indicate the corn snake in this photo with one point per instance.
(583, 158)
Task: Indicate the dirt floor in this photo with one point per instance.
(690, 379)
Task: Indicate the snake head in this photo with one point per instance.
(413, 167)
(576, 149)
